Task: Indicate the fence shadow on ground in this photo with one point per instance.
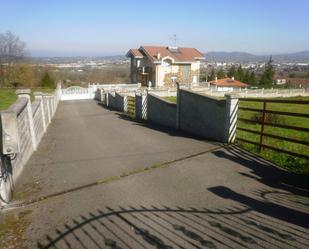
(265, 172)
(164, 129)
(163, 227)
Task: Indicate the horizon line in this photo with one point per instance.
(123, 55)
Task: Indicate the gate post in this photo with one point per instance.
(125, 103)
(102, 97)
(230, 117)
(107, 98)
(145, 104)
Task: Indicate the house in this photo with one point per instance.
(280, 81)
(227, 84)
(163, 66)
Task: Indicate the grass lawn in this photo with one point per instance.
(8, 96)
(291, 163)
(172, 99)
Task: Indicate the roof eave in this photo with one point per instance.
(130, 54)
(199, 58)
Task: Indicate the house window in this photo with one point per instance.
(138, 63)
(166, 63)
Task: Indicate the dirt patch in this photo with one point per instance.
(27, 190)
(12, 228)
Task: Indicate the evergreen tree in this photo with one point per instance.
(212, 75)
(221, 73)
(268, 75)
(240, 74)
(252, 78)
(47, 81)
(246, 78)
(232, 72)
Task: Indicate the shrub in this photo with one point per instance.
(269, 117)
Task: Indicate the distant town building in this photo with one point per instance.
(298, 82)
(227, 84)
(162, 66)
(280, 81)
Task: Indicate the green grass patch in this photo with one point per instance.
(8, 96)
(172, 99)
(291, 163)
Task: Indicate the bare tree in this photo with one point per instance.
(12, 51)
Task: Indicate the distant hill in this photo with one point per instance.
(230, 57)
(242, 57)
(237, 57)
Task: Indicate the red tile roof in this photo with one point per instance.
(135, 53)
(179, 55)
(228, 82)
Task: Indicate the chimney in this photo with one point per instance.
(216, 79)
(158, 56)
(233, 78)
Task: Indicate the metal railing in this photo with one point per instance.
(264, 121)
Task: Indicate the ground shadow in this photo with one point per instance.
(264, 171)
(165, 227)
(157, 127)
(286, 214)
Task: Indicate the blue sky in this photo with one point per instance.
(98, 27)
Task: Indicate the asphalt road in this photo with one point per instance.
(99, 180)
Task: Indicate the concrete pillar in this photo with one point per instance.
(231, 117)
(125, 103)
(144, 104)
(59, 91)
(107, 98)
(178, 107)
(39, 96)
(46, 99)
(51, 106)
(25, 93)
(102, 97)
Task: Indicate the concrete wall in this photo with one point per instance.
(138, 106)
(202, 115)
(161, 111)
(119, 102)
(111, 100)
(31, 120)
(248, 93)
(195, 113)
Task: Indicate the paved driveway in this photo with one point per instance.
(99, 180)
